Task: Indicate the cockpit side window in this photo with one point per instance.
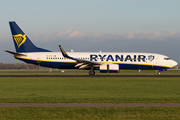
(167, 58)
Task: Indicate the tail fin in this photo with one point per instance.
(21, 41)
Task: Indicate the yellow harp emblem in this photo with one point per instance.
(20, 39)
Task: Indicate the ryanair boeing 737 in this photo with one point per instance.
(106, 62)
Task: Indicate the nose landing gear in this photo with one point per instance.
(159, 73)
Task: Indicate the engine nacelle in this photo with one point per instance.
(109, 68)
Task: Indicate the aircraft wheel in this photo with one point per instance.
(91, 72)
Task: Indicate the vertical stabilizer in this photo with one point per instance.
(21, 41)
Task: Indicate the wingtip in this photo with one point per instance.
(6, 51)
(63, 51)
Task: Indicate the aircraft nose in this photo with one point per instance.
(173, 63)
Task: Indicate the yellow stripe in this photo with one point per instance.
(109, 69)
(103, 69)
(99, 62)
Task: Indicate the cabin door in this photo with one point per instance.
(157, 60)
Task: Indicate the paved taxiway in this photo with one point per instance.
(89, 76)
(89, 105)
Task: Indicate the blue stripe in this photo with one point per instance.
(113, 71)
(65, 65)
(103, 71)
(142, 67)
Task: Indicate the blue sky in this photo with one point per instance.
(93, 25)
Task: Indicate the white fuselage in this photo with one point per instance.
(124, 59)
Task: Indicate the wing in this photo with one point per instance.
(81, 63)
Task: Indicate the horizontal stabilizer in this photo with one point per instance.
(15, 54)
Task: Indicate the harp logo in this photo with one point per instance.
(19, 39)
(151, 58)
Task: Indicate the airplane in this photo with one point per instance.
(105, 62)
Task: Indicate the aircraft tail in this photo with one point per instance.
(21, 41)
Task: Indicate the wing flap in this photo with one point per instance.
(84, 66)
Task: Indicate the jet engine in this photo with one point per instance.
(109, 68)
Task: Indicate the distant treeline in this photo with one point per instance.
(19, 66)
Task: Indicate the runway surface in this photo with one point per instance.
(89, 105)
(89, 76)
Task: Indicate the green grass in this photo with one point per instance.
(85, 72)
(90, 90)
(136, 113)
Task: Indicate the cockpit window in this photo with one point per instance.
(167, 58)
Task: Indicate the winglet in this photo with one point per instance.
(63, 51)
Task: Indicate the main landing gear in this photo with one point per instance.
(91, 72)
